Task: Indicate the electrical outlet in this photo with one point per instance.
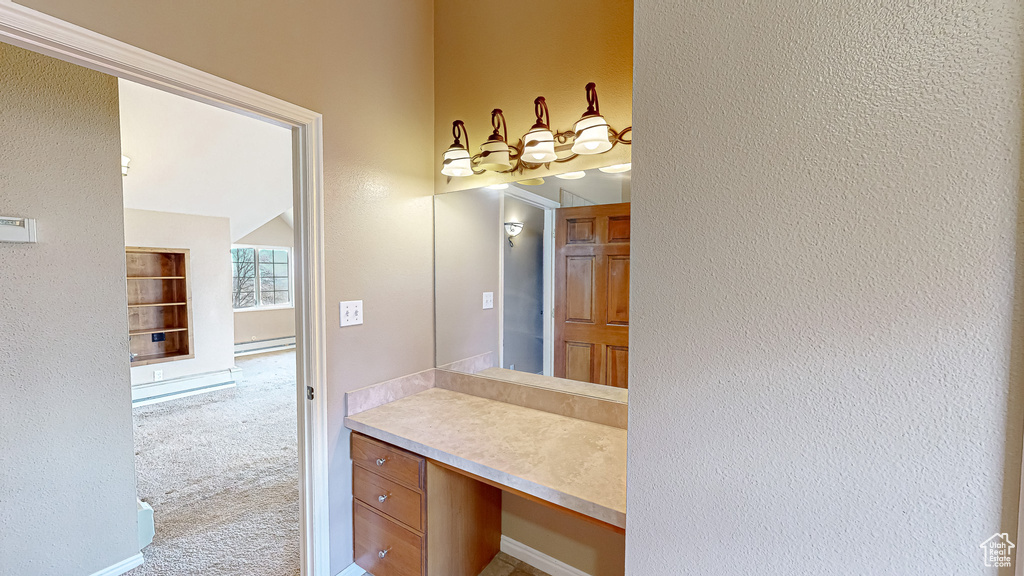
(351, 313)
(488, 300)
(158, 375)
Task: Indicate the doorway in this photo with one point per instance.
(27, 28)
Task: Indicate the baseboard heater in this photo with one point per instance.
(261, 346)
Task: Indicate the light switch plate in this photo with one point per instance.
(351, 313)
(488, 300)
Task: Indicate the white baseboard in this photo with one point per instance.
(154, 392)
(352, 570)
(262, 346)
(121, 567)
(538, 560)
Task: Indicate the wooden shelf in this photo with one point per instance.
(155, 331)
(159, 303)
(157, 358)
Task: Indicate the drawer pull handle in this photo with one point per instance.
(382, 498)
(380, 462)
(383, 553)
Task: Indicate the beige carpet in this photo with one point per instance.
(221, 473)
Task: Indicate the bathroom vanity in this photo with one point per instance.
(429, 467)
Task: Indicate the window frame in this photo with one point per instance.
(256, 255)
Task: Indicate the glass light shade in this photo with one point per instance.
(513, 228)
(592, 136)
(617, 168)
(539, 146)
(571, 175)
(497, 157)
(457, 162)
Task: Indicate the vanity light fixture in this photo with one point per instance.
(124, 164)
(513, 229)
(539, 147)
(456, 157)
(592, 129)
(539, 142)
(616, 168)
(494, 154)
(571, 175)
(531, 182)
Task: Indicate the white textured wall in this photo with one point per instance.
(823, 264)
(208, 240)
(67, 471)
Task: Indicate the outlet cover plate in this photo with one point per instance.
(488, 300)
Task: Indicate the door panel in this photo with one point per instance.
(579, 289)
(616, 366)
(579, 361)
(592, 294)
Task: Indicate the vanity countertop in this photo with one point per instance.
(575, 464)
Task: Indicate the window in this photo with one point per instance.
(261, 277)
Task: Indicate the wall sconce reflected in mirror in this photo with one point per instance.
(513, 229)
(124, 164)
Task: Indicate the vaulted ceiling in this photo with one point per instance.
(192, 158)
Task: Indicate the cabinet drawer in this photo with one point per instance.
(401, 503)
(385, 548)
(395, 463)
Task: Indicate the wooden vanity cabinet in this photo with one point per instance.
(413, 517)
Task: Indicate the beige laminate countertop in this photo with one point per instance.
(573, 463)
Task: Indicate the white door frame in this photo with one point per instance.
(548, 206)
(45, 34)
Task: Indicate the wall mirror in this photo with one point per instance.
(531, 281)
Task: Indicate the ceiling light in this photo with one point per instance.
(617, 168)
(497, 187)
(539, 142)
(571, 175)
(456, 158)
(494, 153)
(592, 129)
(531, 182)
(124, 164)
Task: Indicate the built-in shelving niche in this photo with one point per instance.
(159, 305)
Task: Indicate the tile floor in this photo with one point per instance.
(505, 565)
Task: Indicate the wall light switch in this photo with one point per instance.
(488, 300)
(351, 313)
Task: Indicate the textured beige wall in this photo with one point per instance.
(368, 68)
(277, 232)
(256, 325)
(467, 244)
(67, 486)
(495, 55)
(595, 550)
(208, 240)
(825, 220)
